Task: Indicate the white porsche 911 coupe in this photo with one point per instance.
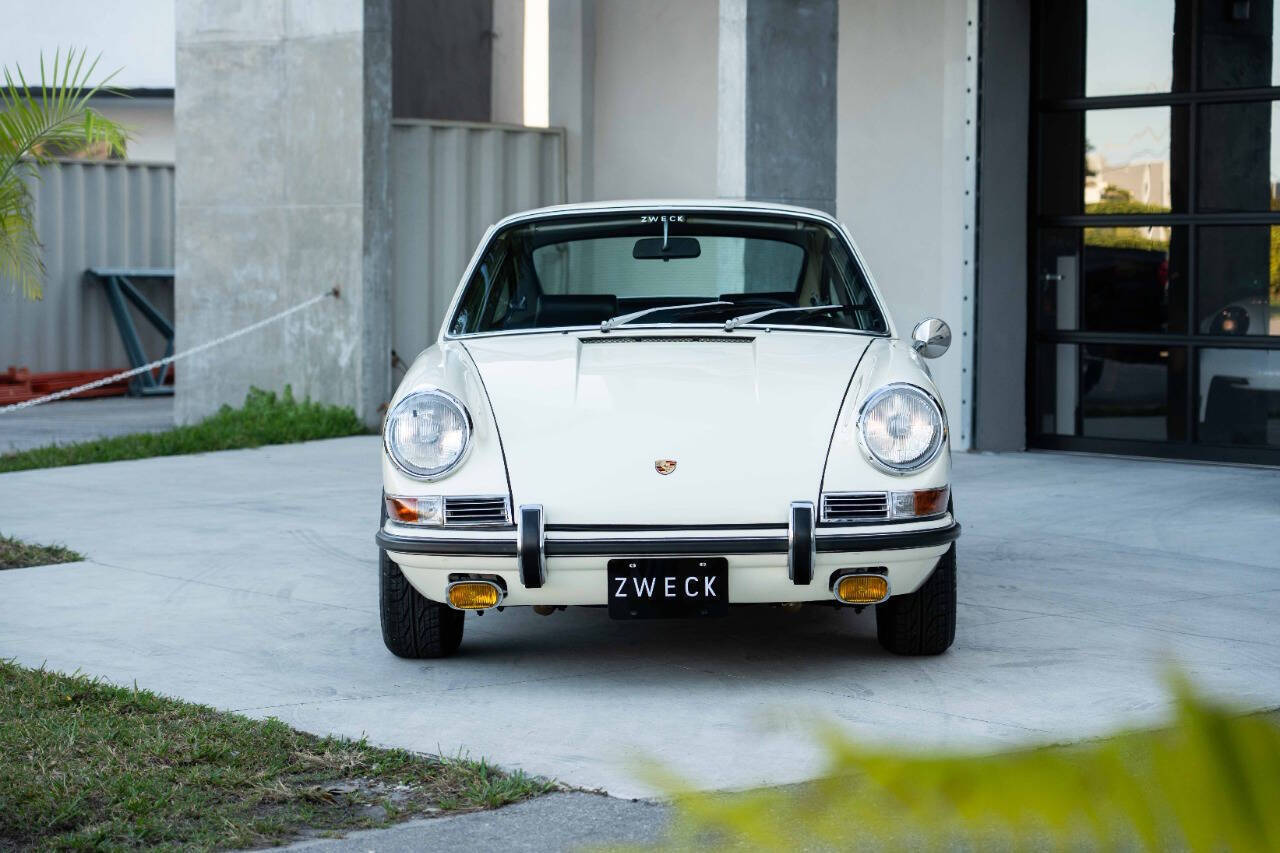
(668, 409)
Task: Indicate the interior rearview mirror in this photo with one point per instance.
(931, 337)
(666, 248)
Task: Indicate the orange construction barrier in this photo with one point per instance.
(19, 384)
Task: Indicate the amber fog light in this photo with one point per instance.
(862, 589)
(473, 595)
(919, 504)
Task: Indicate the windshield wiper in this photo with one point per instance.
(734, 322)
(615, 322)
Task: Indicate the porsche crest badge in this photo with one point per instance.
(664, 466)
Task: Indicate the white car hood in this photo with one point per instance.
(747, 417)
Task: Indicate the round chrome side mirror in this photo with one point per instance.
(931, 338)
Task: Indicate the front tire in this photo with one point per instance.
(414, 626)
(922, 622)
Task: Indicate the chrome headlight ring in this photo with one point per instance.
(932, 450)
(424, 397)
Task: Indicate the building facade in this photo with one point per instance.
(1084, 189)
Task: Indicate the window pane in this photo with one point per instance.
(1127, 161)
(1109, 47)
(1237, 44)
(1239, 397)
(1238, 280)
(1239, 156)
(1129, 47)
(1113, 161)
(1110, 391)
(1130, 279)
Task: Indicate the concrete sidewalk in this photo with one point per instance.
(69, 421)
(561, 821)
(247, 580)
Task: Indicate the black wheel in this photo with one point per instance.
(922, 622)
(414, 626)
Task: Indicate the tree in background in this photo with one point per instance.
(54, 120)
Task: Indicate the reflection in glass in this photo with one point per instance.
(1130, 280)
(1239, 400)
(1238, 280)
(1127, 163)
(1110, 391)
(1239, 156)
(1129, 47)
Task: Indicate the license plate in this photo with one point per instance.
(668, 588)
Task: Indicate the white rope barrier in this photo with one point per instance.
(108, 380)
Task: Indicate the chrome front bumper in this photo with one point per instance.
(574, 560)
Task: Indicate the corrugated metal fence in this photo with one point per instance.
(89, 215)
(449, 182)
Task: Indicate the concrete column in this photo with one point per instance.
(507, 87)
(790, 128)
(282, 116)
(731, 101)
(1000, 354)
(572, 89)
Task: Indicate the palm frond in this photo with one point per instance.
(20, 260)
(1209, 782)
(35, 127)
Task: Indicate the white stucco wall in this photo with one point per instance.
(655, 98)
(150, 125)
(900, 168)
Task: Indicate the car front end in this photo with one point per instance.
(776, 444)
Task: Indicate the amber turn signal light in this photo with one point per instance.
(932, 501)
(924, 503)
(420, 510)
(473, 595)
(862, 589)
(403, 509)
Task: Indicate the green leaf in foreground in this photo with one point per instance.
(263, 419)
(1210, 782)
(88, 765)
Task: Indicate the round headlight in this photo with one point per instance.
(427, 434)
(901, 428)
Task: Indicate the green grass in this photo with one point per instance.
(263, 419)
(15, 554)
(86, 765)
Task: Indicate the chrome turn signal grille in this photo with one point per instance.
(855, 506)
(476, 510)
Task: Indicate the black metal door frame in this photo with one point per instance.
(1191, 100)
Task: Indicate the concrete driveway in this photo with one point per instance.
(246, 580)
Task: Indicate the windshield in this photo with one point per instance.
(583, 271)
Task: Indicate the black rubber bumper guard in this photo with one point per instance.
(802, 542)
(531, 546)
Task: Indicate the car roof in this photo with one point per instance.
(657, 203)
